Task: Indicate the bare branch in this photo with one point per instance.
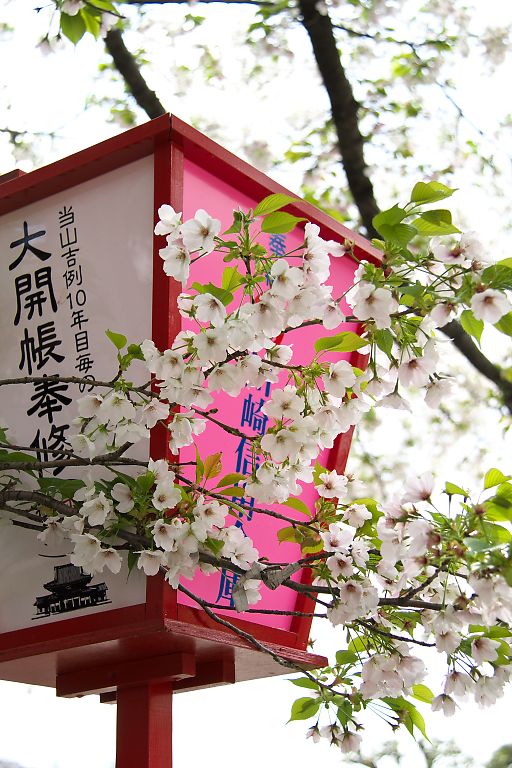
(126, 63)
(344, 110)
(478, 360)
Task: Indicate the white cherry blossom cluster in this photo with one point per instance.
(394, 575)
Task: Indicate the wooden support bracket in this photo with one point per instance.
(170, 668)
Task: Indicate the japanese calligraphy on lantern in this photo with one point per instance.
(244, 412)
(69, 267)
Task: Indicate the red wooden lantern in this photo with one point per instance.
(79, 256)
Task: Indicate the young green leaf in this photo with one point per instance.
(117, 339)
(430, 192)
(303, 709)
(225, 297)
(199, 467)
(422, 693)
(505, 324)
(494, 477)
(438, 222)
(472, 324)
(279, 223)
(273, 203)
(305, 682)
(73, 27)
(231, 479)
(233, 490)
(389, 218)
(398, 234)
(297, 504)
(289, 534)
(231, 279)
(346, 657)
(340, 342)
(455, 490)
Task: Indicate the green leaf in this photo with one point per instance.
(497, 534)
(475, 544)
(234, 490)
(504, 494)
(384, 340)
(231, 279)
(389, 218)
(145, 482)
(135, 352)
(344, 712)
(494, 477)
(360, 645)
(280, 223)
(505, 324)
(225, 297)
(317, 471)
(92, 22)
(231, 479)
(298, 504)
(419, 722)
(290, 534)
(422, 693)
(438, 222)
(16, 456)
(398, 234)
(305, 682)
(199, 467)
(273, 203)
(66, 488)
(410, 716)
(430, 192)
(236, 225)
(117, 339)
(471, 324)
(132, 560)
(214, 545)
(303, 709)
(455, 490)
(340, 342)
(73, 27)
(498, 277)
(346, 657)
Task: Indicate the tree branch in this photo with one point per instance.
(478, 360)
(126, 63)
(344, 110)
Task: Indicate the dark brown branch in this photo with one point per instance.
(225, 427)
(126, 63)
(378, 37)
(34, 497)
(56, 377)
(478, 360)
(384, 633)
(344, 110)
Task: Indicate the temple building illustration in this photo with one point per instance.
(70, 590)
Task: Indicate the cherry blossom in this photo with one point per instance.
(490, 305)
(199, 233)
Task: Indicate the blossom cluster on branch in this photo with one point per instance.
(401, 576)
